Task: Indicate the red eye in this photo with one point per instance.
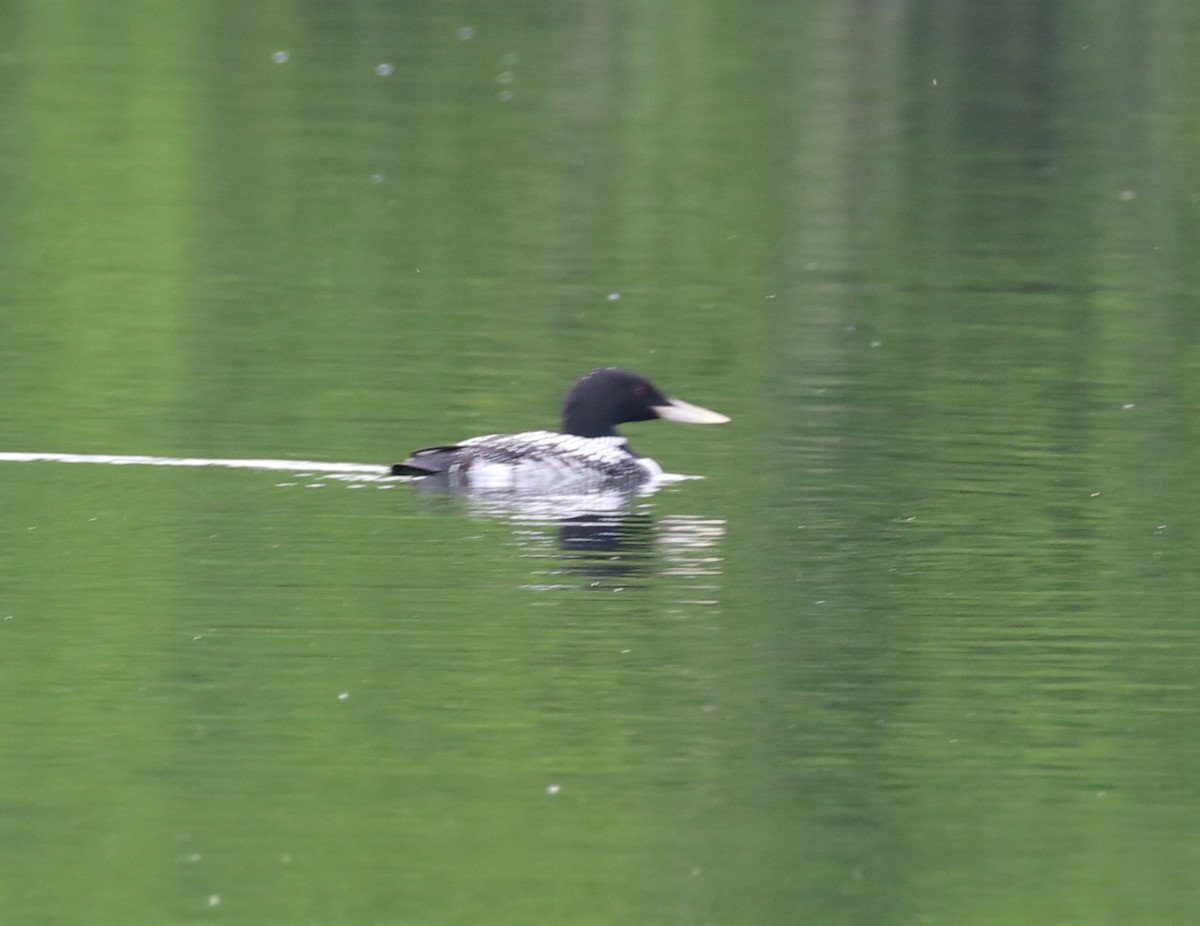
(639, 391)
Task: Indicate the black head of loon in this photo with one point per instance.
(605, 398)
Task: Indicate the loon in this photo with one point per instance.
(588, 454)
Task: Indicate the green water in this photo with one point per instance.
(921, 647)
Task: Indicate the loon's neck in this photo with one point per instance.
(582, 424)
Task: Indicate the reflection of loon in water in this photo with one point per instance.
(594, 534)
(607, 546)
(603, 541)
(617, 552)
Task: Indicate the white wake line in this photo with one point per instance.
(288, 466)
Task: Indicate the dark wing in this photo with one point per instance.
(430, 460)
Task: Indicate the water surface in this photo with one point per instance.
(919, 647)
